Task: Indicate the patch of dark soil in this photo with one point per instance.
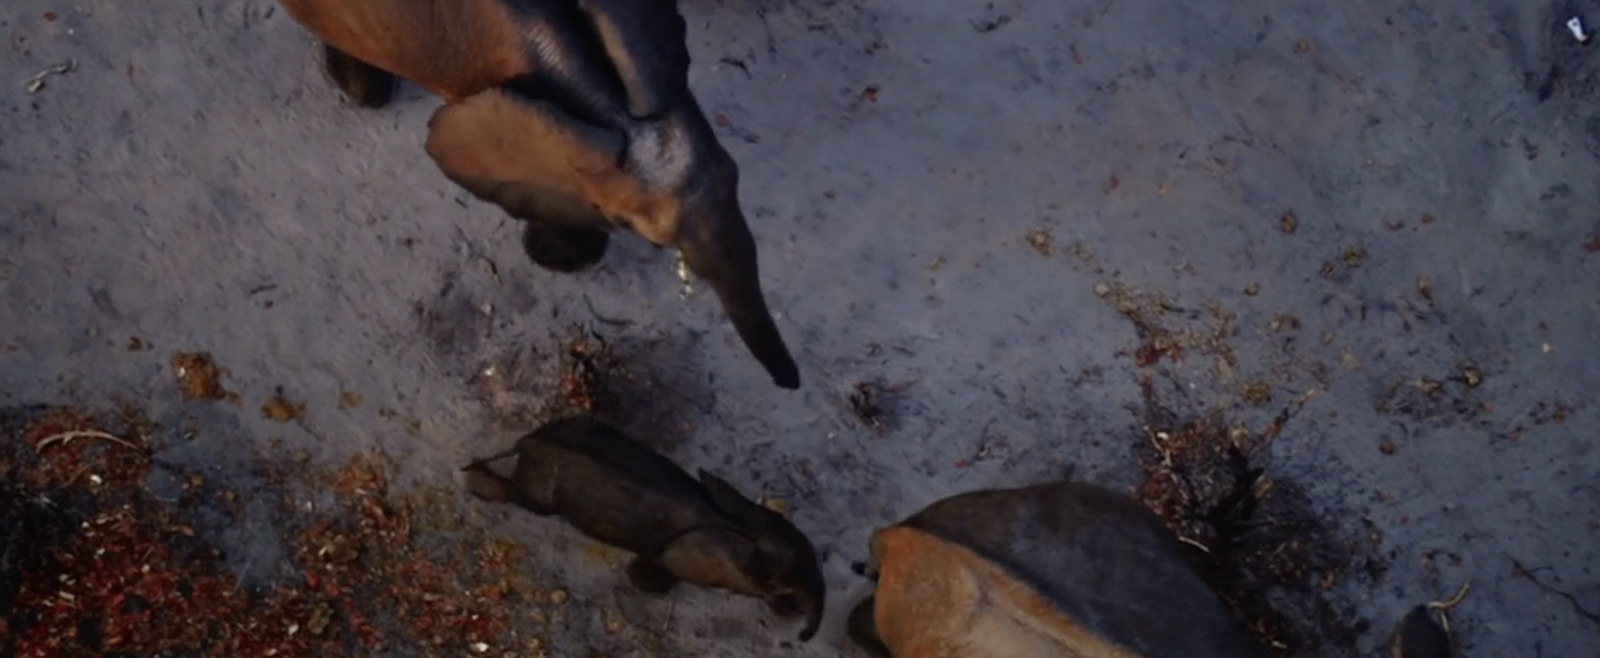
(876, 405)
(1259, 542)
(648, 387)
(1157, 342)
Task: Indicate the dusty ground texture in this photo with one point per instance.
(1008, 240)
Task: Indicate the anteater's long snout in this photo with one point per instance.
(718, 247)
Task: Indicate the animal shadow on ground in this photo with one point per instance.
(1257, 539)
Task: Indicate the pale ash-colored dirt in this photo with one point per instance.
(196, 183)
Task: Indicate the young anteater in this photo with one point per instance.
(619, 492)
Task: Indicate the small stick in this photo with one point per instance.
(1443, 607)
(1195, 544)
(1155, 441)
(1283, 418)
(36, 82)
(1454, 600)
(64, 437)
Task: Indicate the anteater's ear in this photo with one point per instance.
(529, 157)
(647, 43)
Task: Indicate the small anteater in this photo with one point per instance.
(622, 493)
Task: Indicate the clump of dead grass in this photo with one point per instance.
(1258, 540)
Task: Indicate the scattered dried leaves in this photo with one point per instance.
(278, 409)
(1262, 547)
(1354, 257)
(103, 568)
(585, 361)
(67, 463)
(199, 377)
(1258, 393)
(1157, 341)
(1041, 241)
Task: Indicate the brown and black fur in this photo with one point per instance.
(680, 528)
(574, 116)
(1056, 569)
(1036, 571)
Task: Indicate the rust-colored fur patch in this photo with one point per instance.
(452, 48)
(936, 599)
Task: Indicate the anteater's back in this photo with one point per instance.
(457, 48)
(1102, 560)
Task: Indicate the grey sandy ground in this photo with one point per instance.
(195, 182)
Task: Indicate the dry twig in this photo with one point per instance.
(36, 82)
(1283, 419)
(1443, 607)
(65, 437)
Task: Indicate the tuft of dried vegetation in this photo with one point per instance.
(1257, 539)
(199, 377)
(1158, 342)
(92, 564)
(864, 400)
(586, 361)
